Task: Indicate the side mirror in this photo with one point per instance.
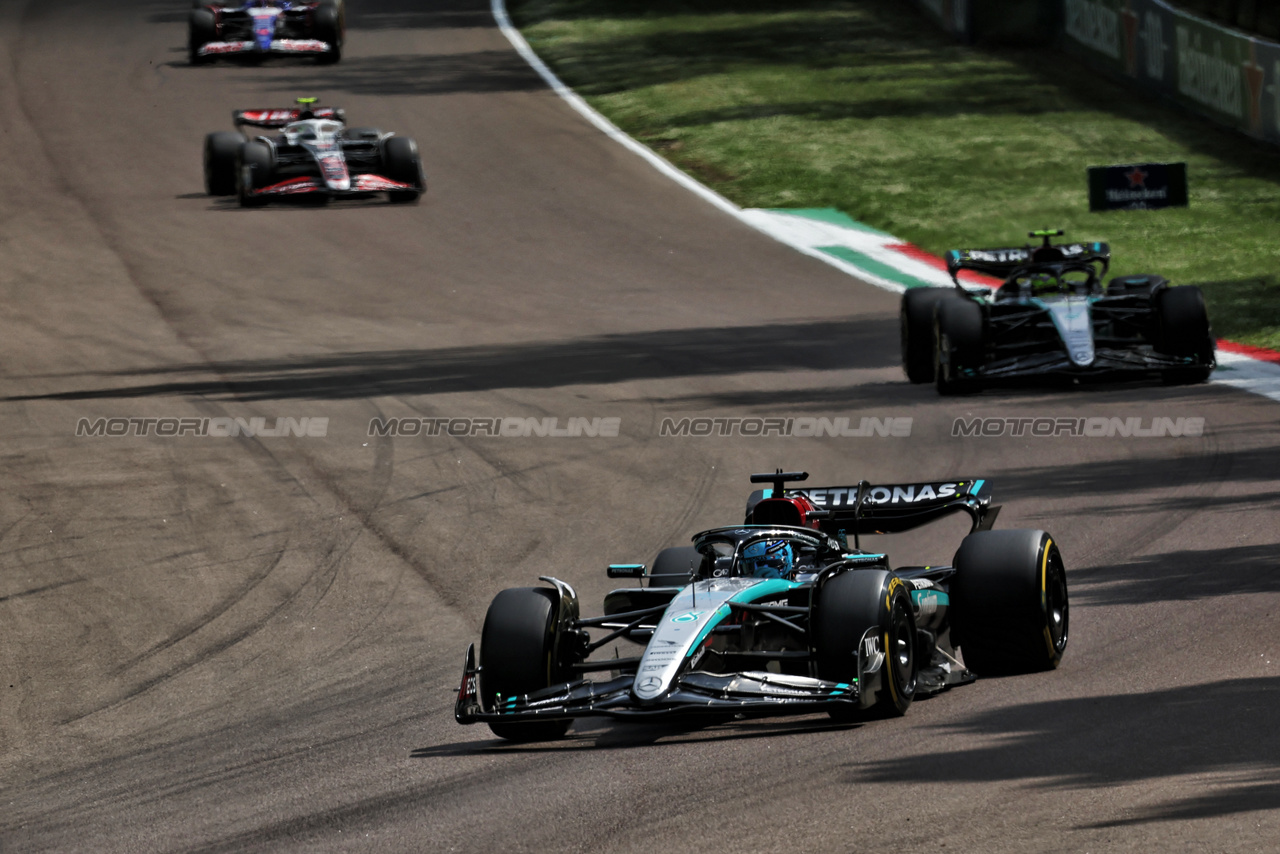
(626, 570)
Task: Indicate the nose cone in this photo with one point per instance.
(264, 30)
(333, 167)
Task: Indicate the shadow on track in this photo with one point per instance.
(1146, 473)
(1096, 742)
(415, 15)
(483, 71)
(821, 345)
(626, 735)
(1184, 576)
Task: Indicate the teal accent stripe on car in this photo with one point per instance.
(770, 587)
(721, 613)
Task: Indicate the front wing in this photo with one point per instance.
(1140, 359)
(360, 184)
(752, 693)
(283, 47)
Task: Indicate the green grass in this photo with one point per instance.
(863, 105)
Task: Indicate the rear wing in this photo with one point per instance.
(1003, 263)
(894, 508)
(280, 118)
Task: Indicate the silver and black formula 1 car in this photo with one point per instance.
(261, 28)
(315, 155)
(780, 615)
(1052, 316)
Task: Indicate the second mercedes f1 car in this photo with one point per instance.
(1052, 316)
(315, 155)
(780, 615)
(262, 28)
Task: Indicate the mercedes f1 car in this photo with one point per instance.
(781, 615)
(1052, 316)
(315, 155)
(263, 28)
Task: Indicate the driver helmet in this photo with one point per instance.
(769, 559)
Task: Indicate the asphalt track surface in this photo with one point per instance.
(226, 644)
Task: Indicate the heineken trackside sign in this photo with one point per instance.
(1137, 186)
(1221, 73)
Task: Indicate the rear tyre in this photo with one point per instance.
(329, 26)
(848, 605)
(517, 656)
(671, 568)
(916, 322)
(1183, 324)
(400, 162)
(1009, 605)
(201, 29)
(253, 171)
(958, 340)
(221, 151)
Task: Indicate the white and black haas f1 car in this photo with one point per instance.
(262, 28)
(315, 156)
(1052, 316)
(781, 615)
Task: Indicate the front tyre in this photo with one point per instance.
(1183, 324)
(1009, 605)
(847, 606)
(916, 322)
(221, 153)
(401, 162)
(253, 171)
(517, 657)
(201, 29)
(328, 25)
(958, 341)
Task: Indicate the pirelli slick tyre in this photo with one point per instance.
(201, 29)
(221, 153)
(846, 607)
(328, 25)
(672, 567)
(400, 162)
(958, 341)
(916, 322)
(517, 657)
(1183, 324)
(1009, 605)
(254, 169)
